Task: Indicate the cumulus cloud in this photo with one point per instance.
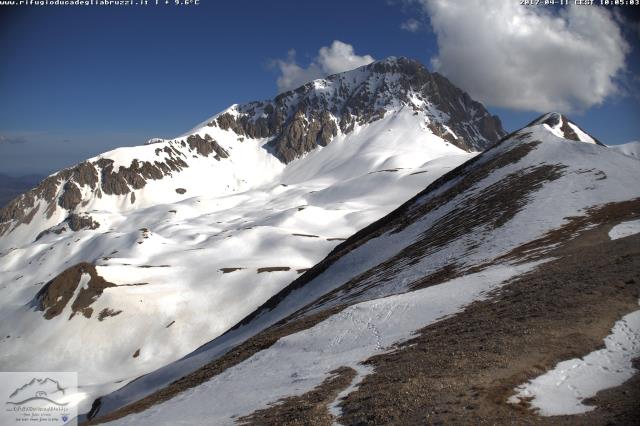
(631, 24)
(411, 25)
(528, 58)
(8, 140)
(333, 59)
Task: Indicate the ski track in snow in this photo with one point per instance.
(561, 391)
(625, 229)
(299, 362)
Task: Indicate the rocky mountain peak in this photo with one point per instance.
(561, 126)
(299, 120)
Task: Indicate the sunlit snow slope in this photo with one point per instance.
(134, 258)
(632, 149)
(495, 217)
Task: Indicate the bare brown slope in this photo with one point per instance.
(54, 296)
(464, 368)
(461, 370)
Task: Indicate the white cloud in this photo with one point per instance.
(411, 25)
(528, 58)
(336, 58)
(632, 25)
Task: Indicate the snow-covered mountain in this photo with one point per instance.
(132, 259)
(509, 268)
(278, 131)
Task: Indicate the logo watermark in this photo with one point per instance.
(38, 397)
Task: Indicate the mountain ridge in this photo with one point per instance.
(294, 123)
(470, 221)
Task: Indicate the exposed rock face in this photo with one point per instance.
(206, 146)
(302, 135)
(300, 120)
(57, 293)
(126, 179)
(439, 130)
(71, 196)
(98, 177)
(21, 207)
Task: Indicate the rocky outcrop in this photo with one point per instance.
(303, 134)
(55, 295)
(74, 222)
(98, 177)
(467, 118)
(205, 146)
(71, 196)
(81, 221)
(134, 177)
(19, 209)
(439, 130)
(108, 312)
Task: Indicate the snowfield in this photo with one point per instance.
(632, 149)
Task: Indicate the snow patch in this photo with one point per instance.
(562, 390)
(361, 372)
(625, 229)
(84, 281)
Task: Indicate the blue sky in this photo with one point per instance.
(77, 81)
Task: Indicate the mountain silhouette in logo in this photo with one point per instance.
(47, 389)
